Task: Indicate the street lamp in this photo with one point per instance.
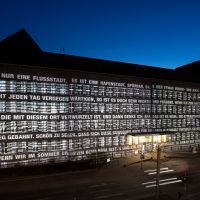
(158, 172)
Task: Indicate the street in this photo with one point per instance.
(120, 181)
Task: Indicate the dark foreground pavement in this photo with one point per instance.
(118, 180)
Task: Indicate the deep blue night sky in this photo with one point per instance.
(163, 33)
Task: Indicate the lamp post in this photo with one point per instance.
(158, 172)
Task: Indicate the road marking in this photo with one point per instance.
(165, 183)
(168, 179)
(153, 170)
(161, 172)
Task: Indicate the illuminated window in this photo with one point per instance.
(122, 140)
(53, 126)
(78, 107)
(21, 147)
(136, 93)
(123, 108)
(43, 126)
(130, 139)
(71, 107)
(53, 107)
(71, 125)
(115, 124)
(71, 89)
(2, 86)
(179, 96)
(108, 124)
(116, 108)
(180, 109)
(148, 108)
(175, 95)
(86, 143)
(142, 108)
(165, 94)
(170, 95)
(147, 94)
(108, 141)
(23, 106)
(136, 108)
(13, 86)
(129, 108)
(130, 124)
(11, 147)
(13, 126)
(78, 125)
(94, 124)
(109, 107)
(184, 96)
(115, 140)
(154, 94)
(130, 92)
(63, 108)
(109, 91)
(101, 141)
(64, 145)
(194, 96)
(86, 90)
(64, 89)
(34, 106)
(2, 106)
(33, 87)
(116, 91)
(53, 88)
(43, 87)
(86, 125)
(12, 106)
(23, 87)
(101, 125)
(86, 107)
(44, 145)
(157, 139)
(43, 107)
(3, 127)
(63, 126)
(94, 90)
(34, 126)
(33, 146)
(79, 89)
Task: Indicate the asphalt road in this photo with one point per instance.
(113, 181)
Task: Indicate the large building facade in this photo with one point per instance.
(55, 113)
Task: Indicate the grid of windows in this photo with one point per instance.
(41, 121)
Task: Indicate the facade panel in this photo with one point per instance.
(59, 115)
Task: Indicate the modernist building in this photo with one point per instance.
(60, 107)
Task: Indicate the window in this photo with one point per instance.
(12, 106)
(2, 106)
(23, 86)
(33, 87)
(2, 86)
(53, 88)
(13, 86)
